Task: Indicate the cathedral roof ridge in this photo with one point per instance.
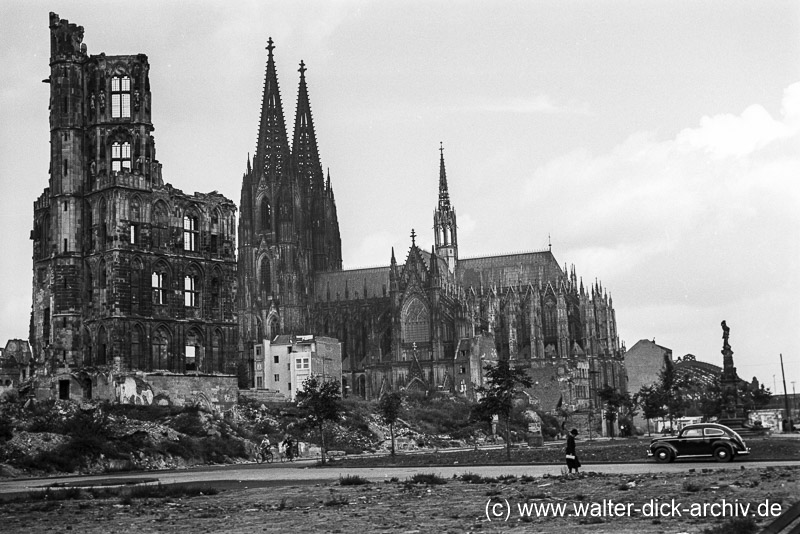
(507, 254)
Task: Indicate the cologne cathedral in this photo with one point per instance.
(132, 275)
(427, 321)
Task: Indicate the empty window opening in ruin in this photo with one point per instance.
(191, 232)
(120, 156)
(63, 389)
(191, 291)
(157, 281)
(120, 97)
(191, 358)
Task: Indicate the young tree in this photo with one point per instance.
(613, 401)
(390, 406)
(674, 388)
(504, 382)
(321, 399)
(652, 402)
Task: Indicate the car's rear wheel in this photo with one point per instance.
(723, 454)
(663, 455)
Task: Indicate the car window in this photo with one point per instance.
(692, 433)
(714, 432)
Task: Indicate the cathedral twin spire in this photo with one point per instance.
(272, 148)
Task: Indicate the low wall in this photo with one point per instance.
(210, 391)
(264, 396)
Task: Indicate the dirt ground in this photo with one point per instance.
(702, 500)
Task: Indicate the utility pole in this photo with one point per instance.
(786, 398)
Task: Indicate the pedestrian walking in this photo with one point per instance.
(571, 455)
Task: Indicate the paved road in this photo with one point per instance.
(306, 471)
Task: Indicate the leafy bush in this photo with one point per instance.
(352, 480)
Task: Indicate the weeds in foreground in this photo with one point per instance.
(430, 479)
(473, 478)
(126, 495)
(352, 480)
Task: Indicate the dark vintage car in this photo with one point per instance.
(704, 440)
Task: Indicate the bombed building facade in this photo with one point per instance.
(430, 321)
(129, 272)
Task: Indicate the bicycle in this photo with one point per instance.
(264, 455)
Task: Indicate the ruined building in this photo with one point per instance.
(429, 322)
(129, 272)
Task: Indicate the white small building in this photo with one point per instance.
(284, 363)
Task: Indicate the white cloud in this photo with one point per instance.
(690, 230)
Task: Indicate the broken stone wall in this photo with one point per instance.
(219, 391)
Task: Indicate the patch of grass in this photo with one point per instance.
(162, 491)
(473, 478)
(126, 495)
(48, 494)
(430, 479)
(352, 480)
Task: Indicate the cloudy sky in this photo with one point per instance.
(656, 144)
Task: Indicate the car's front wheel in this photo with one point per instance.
(663, 455)
(723, 454)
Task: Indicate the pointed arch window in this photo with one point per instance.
(193, 350)
(120, 97)
(191, 290)
(102, 342)
(137, 336)
(215, 231)
(160, 349)
(215, 365)
(265, 279)
(102, 229)
(120, 156)
(550, 319)
(415, 326)
(159, 282)
(265, 214)
(135, 215)
(160, 231)
(191, 232)
(102, 275)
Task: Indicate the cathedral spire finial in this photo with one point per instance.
(302, 69)
(413, 238)
(444, 194)
(270, 46)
